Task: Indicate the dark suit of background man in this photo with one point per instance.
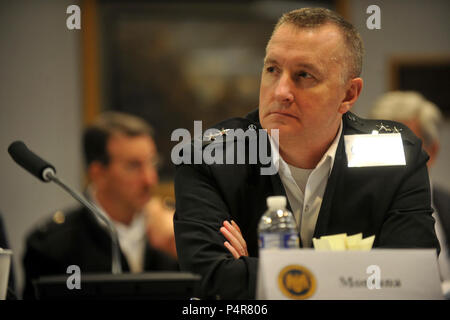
(121, 160)
(310, 80)
(424, 118)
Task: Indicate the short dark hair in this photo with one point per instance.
(317, 17)
(96, 136)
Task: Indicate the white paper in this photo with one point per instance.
(372, 150)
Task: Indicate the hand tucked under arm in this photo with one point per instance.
(236, 243)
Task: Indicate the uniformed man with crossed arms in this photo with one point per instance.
(309, 82)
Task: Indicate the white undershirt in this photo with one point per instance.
(305, 188)
(132, 237)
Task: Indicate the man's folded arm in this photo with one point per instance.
(200, 212)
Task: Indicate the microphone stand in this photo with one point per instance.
(49, 175)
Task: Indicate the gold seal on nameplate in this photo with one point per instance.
(297, 282)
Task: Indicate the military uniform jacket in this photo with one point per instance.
(391, 202)
(76, 238)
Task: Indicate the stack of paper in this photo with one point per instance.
(342, 242)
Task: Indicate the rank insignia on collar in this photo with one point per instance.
(224, 131)
(397, 130)
(383, 127)
(213, 136)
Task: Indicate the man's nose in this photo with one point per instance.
(284, 89)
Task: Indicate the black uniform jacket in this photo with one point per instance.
(391, 202)
(76, 238)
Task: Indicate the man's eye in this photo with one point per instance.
(304, 75)
(270, 69)
(133, 165)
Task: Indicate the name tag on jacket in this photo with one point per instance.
(373, 150)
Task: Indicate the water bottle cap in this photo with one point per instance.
(276, 202)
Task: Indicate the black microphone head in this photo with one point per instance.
(30, 161)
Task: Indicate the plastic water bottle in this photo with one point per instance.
(277, 227)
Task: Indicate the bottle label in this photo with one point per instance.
(269, 240)
(278, 240)
(290, 240)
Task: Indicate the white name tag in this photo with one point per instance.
(373, 150)
(376, 274)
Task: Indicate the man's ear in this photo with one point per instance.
(351, 95)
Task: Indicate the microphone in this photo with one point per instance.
(46, 172)
(35, 165)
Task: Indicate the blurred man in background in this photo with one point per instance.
(424, 119)
(121, 160)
